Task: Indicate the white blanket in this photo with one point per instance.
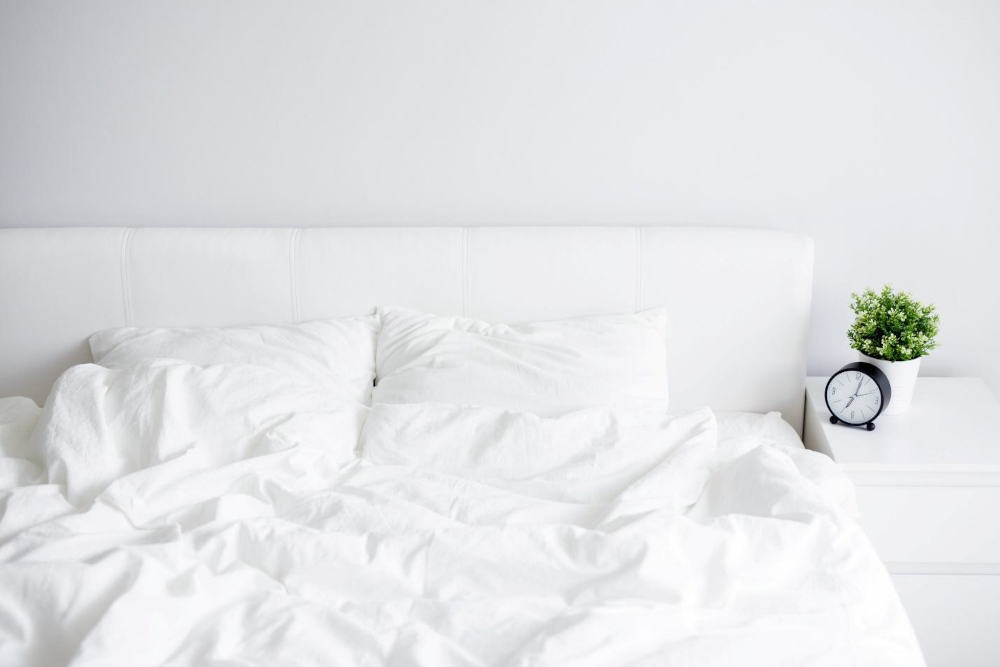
(456, 537)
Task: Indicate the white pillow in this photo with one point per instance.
(338, 354)
(547, 368)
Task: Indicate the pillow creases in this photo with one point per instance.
(547, 368)
(338, 354)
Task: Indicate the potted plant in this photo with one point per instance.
(893, 331)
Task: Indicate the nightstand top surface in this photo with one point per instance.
(951, 422)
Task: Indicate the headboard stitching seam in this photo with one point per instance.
(465, 271)
(124, 262)
(638, 269)
(294, 239)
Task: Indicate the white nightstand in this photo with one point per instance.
(928, 488)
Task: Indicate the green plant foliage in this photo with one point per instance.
(891, 325)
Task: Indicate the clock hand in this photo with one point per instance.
(859, 386)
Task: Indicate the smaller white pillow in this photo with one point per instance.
(338, 354)
(546, 368)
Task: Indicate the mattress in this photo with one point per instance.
(720, 541)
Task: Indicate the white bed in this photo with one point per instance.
(149, 518)
(738, 299)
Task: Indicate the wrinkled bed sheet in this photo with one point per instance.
(233, 520)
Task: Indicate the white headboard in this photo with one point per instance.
(738, 299)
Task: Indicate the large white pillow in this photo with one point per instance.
(335, 353)
(547, 368)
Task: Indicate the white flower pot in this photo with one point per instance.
(902, 377)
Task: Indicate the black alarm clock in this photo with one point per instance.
(857, 394)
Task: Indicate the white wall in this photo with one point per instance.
(874, 126)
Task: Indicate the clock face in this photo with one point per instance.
(853, 397)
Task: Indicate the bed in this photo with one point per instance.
(465, 492)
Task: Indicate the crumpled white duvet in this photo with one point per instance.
(208, 529)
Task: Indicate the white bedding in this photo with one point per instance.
(338, 353)
(548, 368)
(458, 537)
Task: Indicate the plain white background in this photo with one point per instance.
(873, 126)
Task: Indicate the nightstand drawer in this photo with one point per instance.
(955, 617)
(932, 524)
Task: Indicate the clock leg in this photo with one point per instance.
(833, 420)
(870, 426)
